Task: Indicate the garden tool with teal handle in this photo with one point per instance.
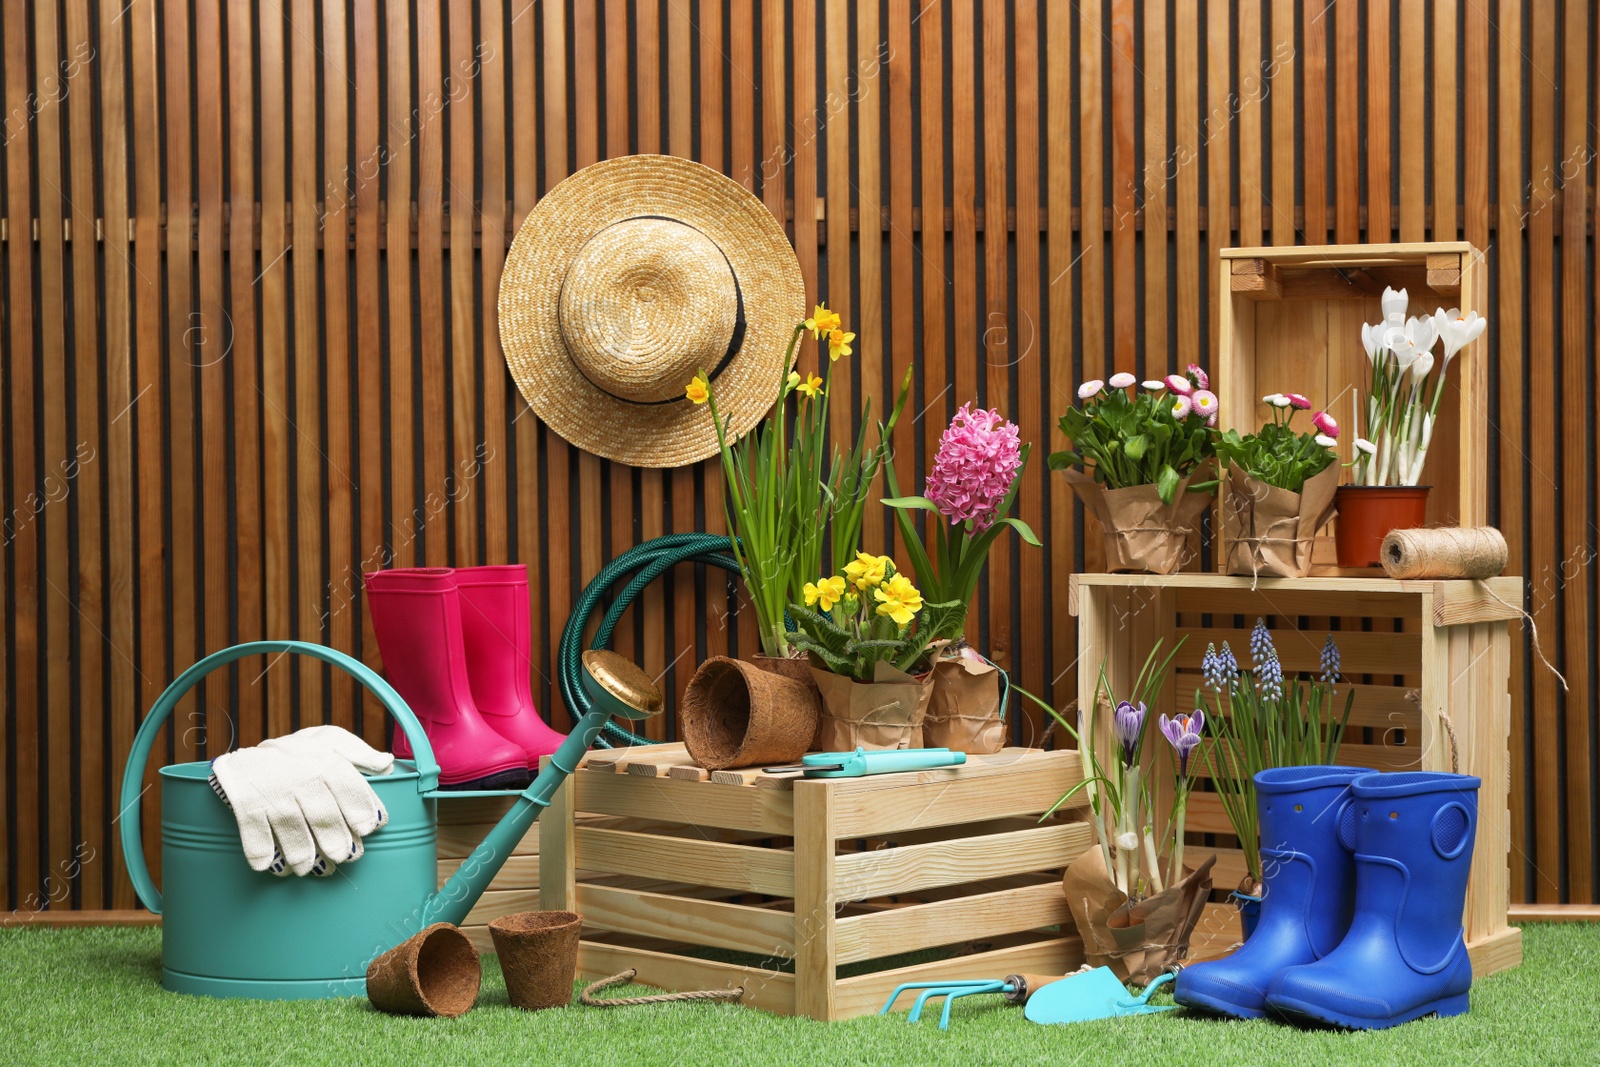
(1016, 988)
(1094, 994)
(862, 762)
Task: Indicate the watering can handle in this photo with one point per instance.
(139, 757)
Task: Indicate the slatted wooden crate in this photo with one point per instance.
(775, 884)
(1290, 321)
(1429, 661)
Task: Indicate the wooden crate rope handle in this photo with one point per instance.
(588, 999)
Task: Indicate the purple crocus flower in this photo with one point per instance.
(1183, 731)
(1129, 720)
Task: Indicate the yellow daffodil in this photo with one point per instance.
(823, 321)
(699, 389)
(899, 599)
(811, 387)
(866, 570)
(839, 343)
(826, 592)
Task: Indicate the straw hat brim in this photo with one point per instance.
(676, 432)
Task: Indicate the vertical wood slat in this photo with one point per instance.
(254, 489)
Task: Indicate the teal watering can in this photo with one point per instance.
(229, 931)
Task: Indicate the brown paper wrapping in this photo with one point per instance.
(1137, 940)
(964, 706)
(1271, 531)
(1141, 533)
(884, 713)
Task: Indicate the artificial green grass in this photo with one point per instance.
(94, 995)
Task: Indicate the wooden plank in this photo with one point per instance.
(964, 192)
(953, 797)
(554, 453)
(117, 718)
(1380, 46)
(1574, 494)
(1252, 90)
(464, 75)
(1032, 410)
(428, 140)
(913, 867)
(1124, 180)
(769, 990)
(1062, 354)
(1317, 25)
(696, 803)
(275, 330)
(558, 850)
(494, 450)
(886, 933)
(1347, 121)
(739, 927)
(1411, 114)
(756, 870)
(817, 878)
(865, 994)
(310, 363)
(1279, 72)
(403, 517)
(339, 611)
(85, 460)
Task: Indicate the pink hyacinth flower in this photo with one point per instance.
(1300, 401)
(1179, 384)
(1325, 425)
(978, 459)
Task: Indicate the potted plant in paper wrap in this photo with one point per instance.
(794, 503)
(1401, 408)
(1132, 898)
(969, 495)
(871, 638)
(1146, 455)
(1278, 489)
(1262, 719)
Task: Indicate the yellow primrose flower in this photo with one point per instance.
(823, 321)
(827, 592)
(793, 381)
(699, 389)
(899, 599)
(839, 344)
(866, 570)
(811, 387)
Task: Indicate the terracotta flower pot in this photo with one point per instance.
(538, 953)
(435, 972)
(1366, 515)
(734, 714)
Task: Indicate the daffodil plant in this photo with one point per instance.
(1406, 386)
(870, 613)
(1158, 433)
(793, 502)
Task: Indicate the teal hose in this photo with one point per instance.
(645, 563)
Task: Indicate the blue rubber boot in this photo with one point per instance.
(1405, 956)
(1309, 892)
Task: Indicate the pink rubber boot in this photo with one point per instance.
(494, 622)
(416, 614)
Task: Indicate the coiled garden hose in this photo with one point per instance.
(645, 563)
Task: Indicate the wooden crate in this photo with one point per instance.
(1428, 660)
(775, 884)
(1290, 321)
(463, 824)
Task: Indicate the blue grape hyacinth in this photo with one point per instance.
(1330, 661)
(1261, 646)
(1269, 676)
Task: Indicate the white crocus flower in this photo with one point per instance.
(1372, 340)
(1395, 302)
(1420, 369)
(1458, 329)
(1128, 842)
(1422, 332)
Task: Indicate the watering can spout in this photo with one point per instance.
(617, 687)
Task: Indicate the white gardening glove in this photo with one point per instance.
(300, 801)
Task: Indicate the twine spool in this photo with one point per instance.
(1467, 552)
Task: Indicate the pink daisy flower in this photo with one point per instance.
(1090, 389)
(1181, 407)
(1121, 380)
(1199, 376)
(1205, 402)
(1179, 384)
(1325, 424)
(1299, 401)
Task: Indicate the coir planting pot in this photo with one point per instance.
(736, 714)
(538, 953)
(1366, 515)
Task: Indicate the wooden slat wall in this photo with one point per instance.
(251, 257)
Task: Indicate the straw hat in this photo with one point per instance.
(629, 278)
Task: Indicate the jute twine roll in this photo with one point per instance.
(1470, 552)
(734, 714)
(1464, 552)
